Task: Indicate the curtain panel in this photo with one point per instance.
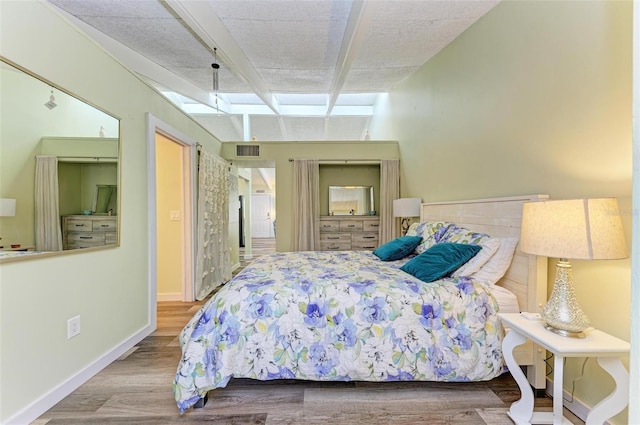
(306, 205)
(47, 209)
(213, 260)
(389, 190)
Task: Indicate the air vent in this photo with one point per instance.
(247, 150)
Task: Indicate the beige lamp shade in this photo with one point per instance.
(406, 207)
(584, 229)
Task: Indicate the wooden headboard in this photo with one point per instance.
(527, 276)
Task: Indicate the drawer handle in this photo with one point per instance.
(326, 225)
(86, 237)
(351, 225)
(104, 225)
(369, 247)
(333, 247)
(79, 225)
(374, 225)
(368, 237)
(333, 237)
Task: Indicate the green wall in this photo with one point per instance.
(534, 98)
(108, 288)
(279, 153)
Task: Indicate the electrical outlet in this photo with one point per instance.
(174, 215)
(73, 327)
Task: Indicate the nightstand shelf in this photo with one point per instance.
(607, 349)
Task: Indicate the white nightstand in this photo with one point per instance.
(606, 348)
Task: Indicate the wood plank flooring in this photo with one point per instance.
(136, 389)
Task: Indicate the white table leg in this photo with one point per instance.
(618, 399)
(558, 375)
(521, 411)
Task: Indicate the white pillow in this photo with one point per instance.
(489, 248)
(493, 270)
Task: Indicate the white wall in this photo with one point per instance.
(107, 288)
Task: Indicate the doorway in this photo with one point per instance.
(179, 212)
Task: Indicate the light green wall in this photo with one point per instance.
(348, 175)
(533, 98)
(107, 288)
(280, 152)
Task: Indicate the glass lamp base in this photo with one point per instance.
(562, 314)
(564, 333)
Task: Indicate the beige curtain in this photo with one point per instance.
(48, 232)
(306, 208)
(389, 190)
(213, 261)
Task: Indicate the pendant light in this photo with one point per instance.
(216, 68)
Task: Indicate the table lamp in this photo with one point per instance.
(581, 229)
(7, 208)
(406, 208)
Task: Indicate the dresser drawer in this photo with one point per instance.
(350, 225)
(370, 225)
(364, 241)
(111, 238)
(367, 237)
(79, 225)
(363, 246)
(85, 240)
(335, 246)
(329, 225)
(105, 225)
(335, 237)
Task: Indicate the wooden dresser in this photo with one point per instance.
(347, 233)
(84, 231)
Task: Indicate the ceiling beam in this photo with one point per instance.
(203, 21)
(360, 18)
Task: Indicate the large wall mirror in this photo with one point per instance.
(55, 149)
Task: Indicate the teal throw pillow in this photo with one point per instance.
(440, 260)
(397, 248)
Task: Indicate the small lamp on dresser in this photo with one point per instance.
(581, 229)
(406, 208)
(7, 209)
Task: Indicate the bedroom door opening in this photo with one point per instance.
(171, 181)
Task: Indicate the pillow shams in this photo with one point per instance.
(498, 264)
(431, 233)
(489, 248)
(440, 260)
(397, 248)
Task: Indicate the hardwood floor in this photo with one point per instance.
(136, 389)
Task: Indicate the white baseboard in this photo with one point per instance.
(576, 406)
(50, 399)
(170, 296)
(235, 267)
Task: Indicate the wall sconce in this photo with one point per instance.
(52, 102)
(406, 208)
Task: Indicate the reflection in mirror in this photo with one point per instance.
(106, 199)
(351, 200)
(41, 122)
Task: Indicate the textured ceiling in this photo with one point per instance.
(273, 49)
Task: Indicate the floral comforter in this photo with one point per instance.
(338, 316)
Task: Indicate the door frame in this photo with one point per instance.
(154, 126)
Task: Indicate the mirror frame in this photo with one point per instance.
(28, 255)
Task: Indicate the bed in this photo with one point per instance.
(349, 315)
